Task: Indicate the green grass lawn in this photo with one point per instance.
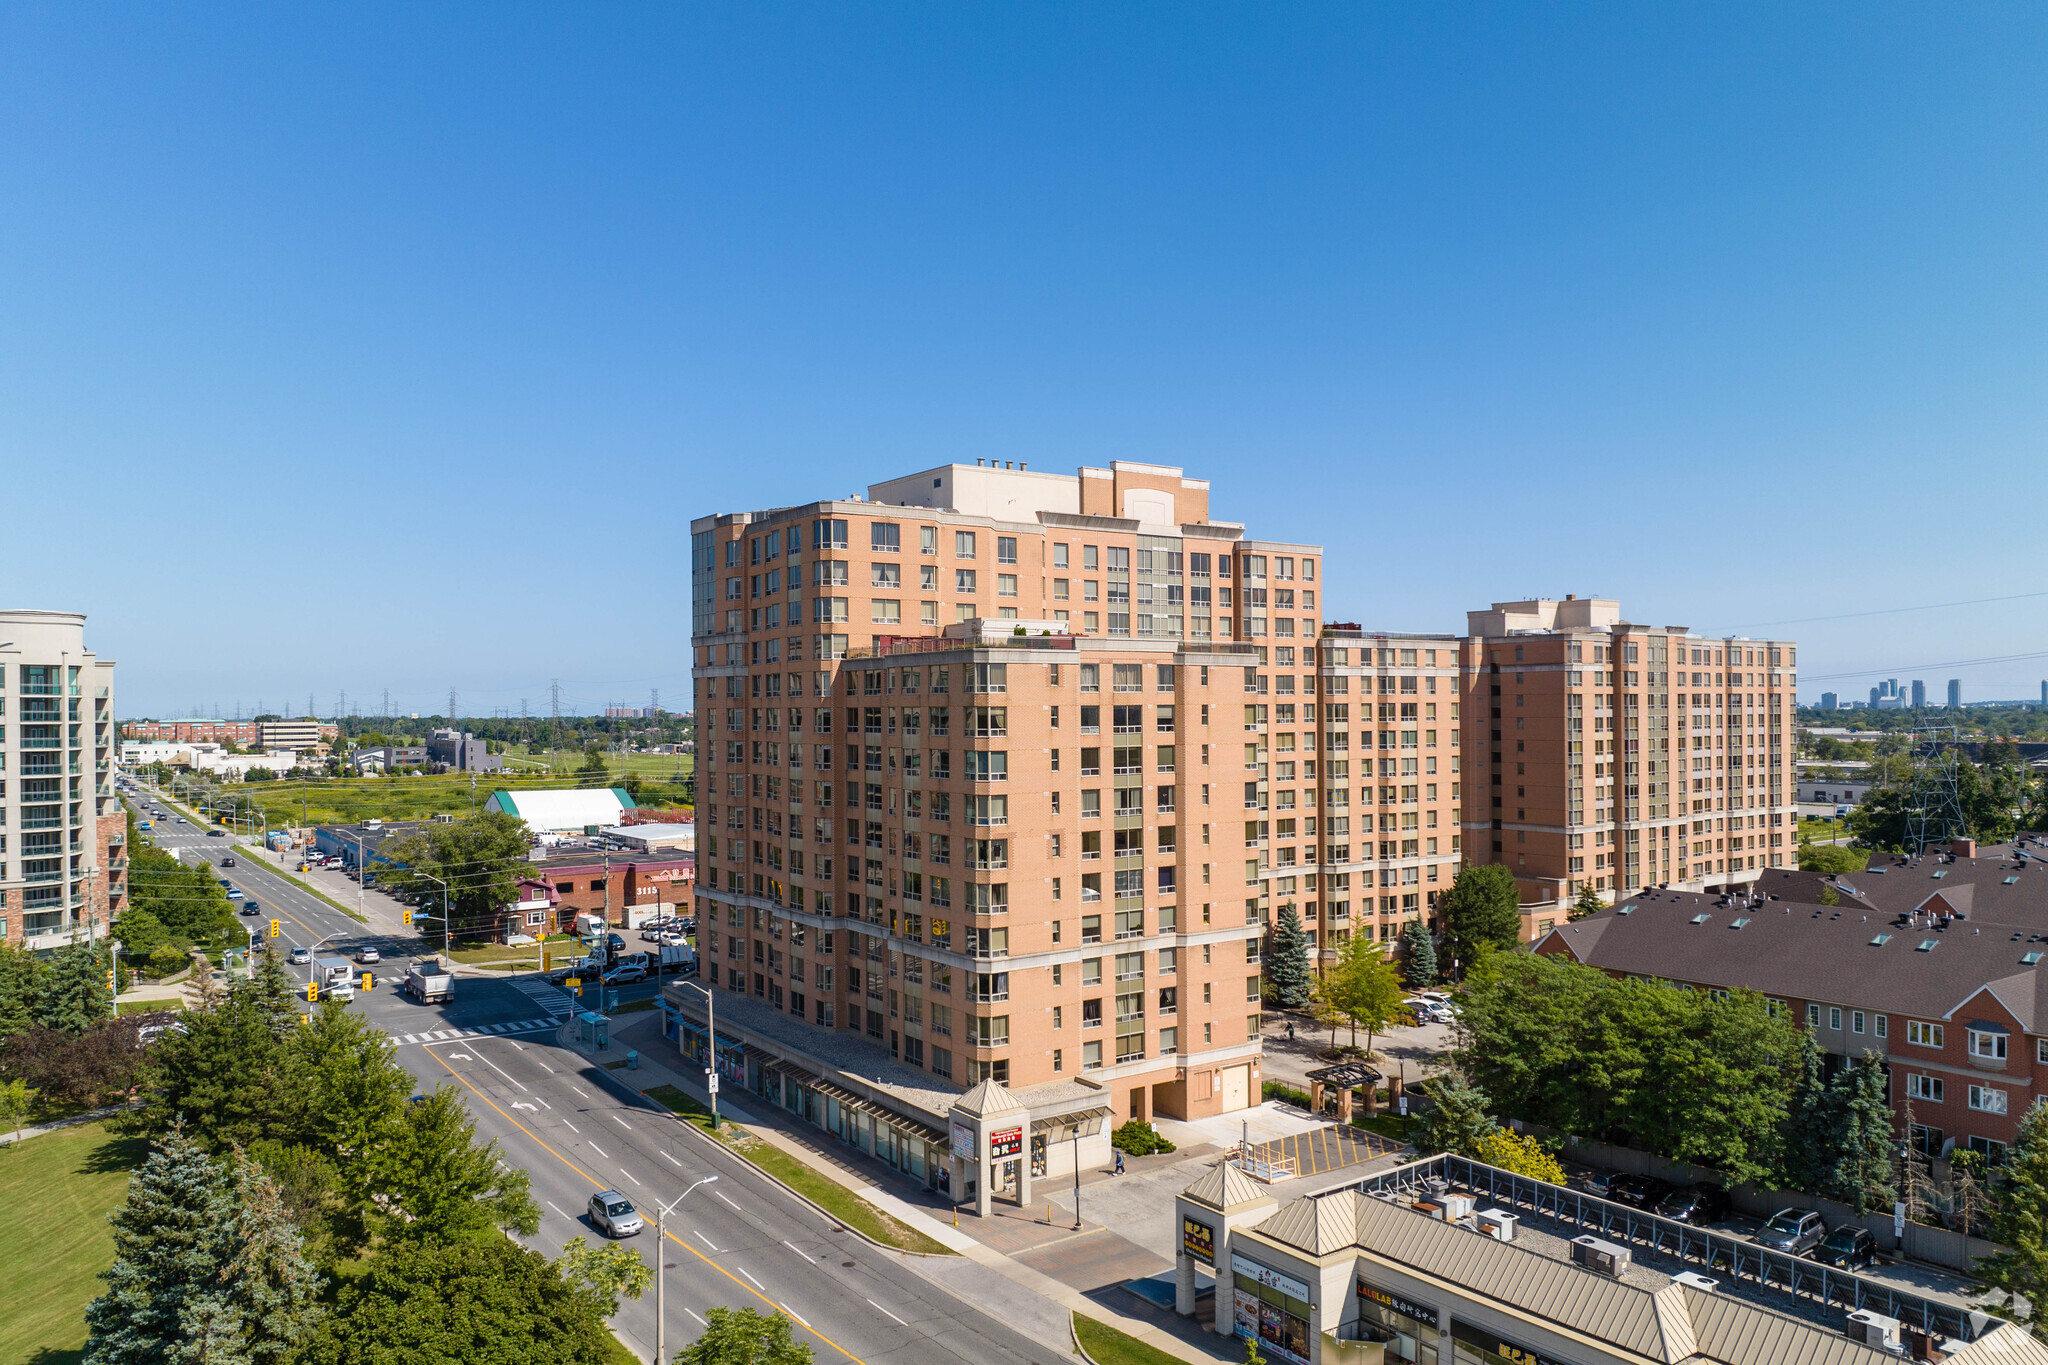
(1106, 1345)
(55, 1194)
(830, 1195)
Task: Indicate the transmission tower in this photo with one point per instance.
(451, 706)
(1935, 815)
(654, 702)
(555, 699)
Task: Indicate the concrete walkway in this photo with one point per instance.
(58, 1125)
(993, 1268)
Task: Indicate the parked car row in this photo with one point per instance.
(1431, 1007)
(1797, 1232)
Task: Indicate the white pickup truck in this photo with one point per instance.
(428, 981)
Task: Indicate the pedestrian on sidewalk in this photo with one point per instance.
(1290, 1030)
(1119, 1161)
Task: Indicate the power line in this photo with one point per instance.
(1912, 668)
(1890, 611)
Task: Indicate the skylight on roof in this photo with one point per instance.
(2010, 880)
(1927, 945)
(2029, 959)
(1939, 873)
(1626, 910)
(1739, 922)
(1701, 918)
(1880, 940)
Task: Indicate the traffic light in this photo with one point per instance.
(312, 991)
(368, 980)
(273, 928)
(110, 981)
(408, 917)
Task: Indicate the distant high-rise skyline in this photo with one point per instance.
(1955, 693)
(1919, 694)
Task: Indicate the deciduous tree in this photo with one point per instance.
(603, 1274)
(1521, 1154)
(741, 1336)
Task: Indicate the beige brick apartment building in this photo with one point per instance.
(1614, 756)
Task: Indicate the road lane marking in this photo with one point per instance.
(891, 1316)
(600, 1151)
(702, 1238)
(579, 1090)
(596, 1184)
(787, 1309)
(736, 1207)
(672, 1159)
(799, 1251)
(551, 1204)
(630, 1176)
(756, 1283)
(572, 1127)
(622, 1123)
(692, 1312)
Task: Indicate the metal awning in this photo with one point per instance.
(1346, 1074)
(866, 1105)
(1078, 1118)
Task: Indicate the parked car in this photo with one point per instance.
(615, 943)
(1792, 1231)
(366, 953)
(1695, 1204)
(1846, 1248)
(302, 955)
(1641, 1191)
(1600, 1184)
(626, 975)
(612, 1214)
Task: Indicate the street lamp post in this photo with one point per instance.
(447, 942)
(710, 1046)
(660, 1257)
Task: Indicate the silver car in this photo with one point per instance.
(1792, 1232)
(612, 1214)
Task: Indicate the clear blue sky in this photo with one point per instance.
(363, 347)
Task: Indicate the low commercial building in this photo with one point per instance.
(1452, 1262)
(564, 810)
(293, 734)
(653, 835)
(384, 758)
(460, 751)
(193, 730)
(1933, 963)
(365, 844)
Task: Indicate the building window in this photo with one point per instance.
(1924, 1088)
(1923, 1034)
(1856, 1021)
(1987, 1099)
(1987, 1045)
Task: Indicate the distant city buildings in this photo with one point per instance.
(1955, 693)
(1919, 694)
(460, 751)
(1830, 702)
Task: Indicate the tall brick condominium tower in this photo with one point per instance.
(984, 790)
(1618, 756)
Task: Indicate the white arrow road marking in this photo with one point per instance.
(702, 1238)
(460, 1057)
(757, 1284)
(518, 1105)
(886, 1313)
(793, 1247)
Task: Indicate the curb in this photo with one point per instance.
(640, 1099)
(1074, 1331)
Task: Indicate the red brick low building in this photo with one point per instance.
(611, 885)
(1933, 963)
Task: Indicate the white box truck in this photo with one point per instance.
(337, 978)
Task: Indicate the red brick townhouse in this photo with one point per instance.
(1934, 963)
(592, 882)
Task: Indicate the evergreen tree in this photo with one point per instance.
(1588, 903)
(75, 992)
(1287, 970)
(1860, 1173)
(274, 1288)
(1481, 910)
(440, 1185)
(231, 1078)
(1813, 1121)
(273, 994)
(2020, 1225)
(1916, 1181)
(165, 1285)
(1457, 1120)
(21, 988)
(1420, 954)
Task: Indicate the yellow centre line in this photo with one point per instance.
(597, 1184)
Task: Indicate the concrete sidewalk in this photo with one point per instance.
(993, 1268)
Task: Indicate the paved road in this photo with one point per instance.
(741, 1241)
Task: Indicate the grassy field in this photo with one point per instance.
(1105, 1345)
(55, 1194)
(830, 1195)
(345, 800)
(565, 762)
